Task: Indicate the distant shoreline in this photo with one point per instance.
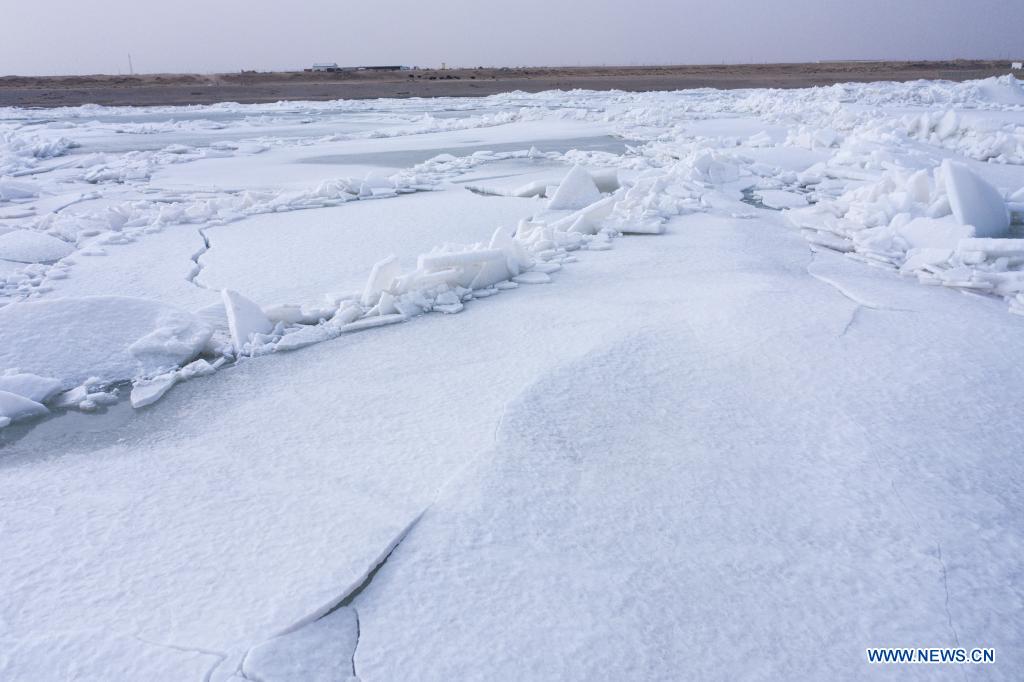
(251, 88)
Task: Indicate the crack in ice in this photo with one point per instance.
(219, 655)
(853, 298)
(197, 267)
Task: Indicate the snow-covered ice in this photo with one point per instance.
(387, 390)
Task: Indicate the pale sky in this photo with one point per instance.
(45, 37)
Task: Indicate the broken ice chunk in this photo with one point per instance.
(934, 233)
(245, 318)
(15, 407)
(531, 189)
(576, 191)
(606, 179)
(36, 388)
(306, 336)
(382, 276)
(532, 278)
(148, 391)
(974, 201)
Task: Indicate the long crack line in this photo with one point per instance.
(945, 586)
(220, 656)
(197, 267)
(356, 647)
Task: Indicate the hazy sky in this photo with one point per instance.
(95, 36)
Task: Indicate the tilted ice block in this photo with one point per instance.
(920, 258)
(148, 391)
(934, 233)
(594, 213)
(828, 240)
(15, 407)
(919, 187)
(532, 278)
(493, 270)
(530, 189)
(948, 124)
(36, 388)
(432, 262)
(584, 225)
(576, 190)
(993, 248)
(371, 322)
(606, 179)
(348, 312)
(974, 201)
(306, 336)
(381, 277)
(285, 312)
(420, 279)
(245, 318)
(469, 264)
(517, 258)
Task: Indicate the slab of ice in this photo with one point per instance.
(319, 652)
(990, 248)
(530, 189)
(36, 388)
(14, 407)
(16, 189)
(937, 233)
(306, 336)
(577, 190)
(148, 391)
(606, 179)
(974, 201)
(111, 338)
(382, 275)
(29, 246)
(245, 318)
(532, 277)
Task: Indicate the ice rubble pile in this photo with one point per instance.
(20, 153)
(76, 352)
(946, 226)
(58, 237)
(957, 118)
(88, 232)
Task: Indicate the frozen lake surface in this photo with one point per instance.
(569, 385)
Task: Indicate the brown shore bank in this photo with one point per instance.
(252, 87)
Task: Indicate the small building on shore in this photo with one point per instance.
(325, 67)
